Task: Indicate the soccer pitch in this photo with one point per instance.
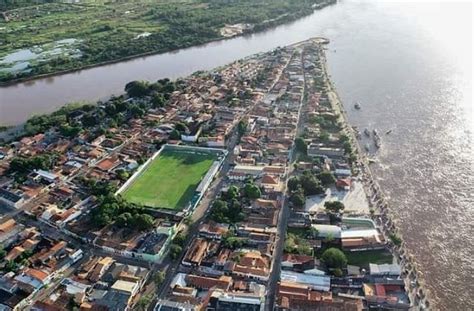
(170, 180)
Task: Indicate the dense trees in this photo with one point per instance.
(297, 245)
(174, 251)
(334, 258)
(293, 183)
(297, 197)
(23, 165)
(300, 145)
(242, 127)
(137, 88)
(172, 25)
(252, 191)
(115, 210)
(226, 212)
(326, 178)
(334, 207)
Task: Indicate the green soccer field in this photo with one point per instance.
(170, 180)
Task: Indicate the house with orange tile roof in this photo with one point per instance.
(196, 252)
(33, 278)
(251, 265)
(108, 164)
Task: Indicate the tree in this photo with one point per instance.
(232, 242)
(158, 100)
(313, 232)
(334, 207)
(143, 221)
(122, 174)
(334, 258)
(324, 136)
(159, 278)
(242, 127)
(301, 145)
(136, 111)
(297, 198)
(396, 240)
(136, 89)
(181, 127)
(219, 211)
(326, 178)
(175, 251)
(231, 193)
(252, 191)
(143, 303)
(293, 183)
(3, 252)
(310, 184)
(175, 135)
(69, 131)
(179, 239)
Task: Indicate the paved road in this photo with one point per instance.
(283, 219)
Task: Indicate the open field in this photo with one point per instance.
(170, 180)
(47, 36)
(364, 257)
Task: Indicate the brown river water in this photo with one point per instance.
(410, 66)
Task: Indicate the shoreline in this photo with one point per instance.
(33, 78)
(414, 284)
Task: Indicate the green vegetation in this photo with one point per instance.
(170, 180)
(252, 191)
(227, 208)
(301, 145)
(176, 246)
(295, 244)
(364, 258)
(22, 165)
(73, 119)
(100, 31)
(334, 258)
(175, 250)
(159, 278)
(143, 303)
(335, 207)
(114, 210)
(227, 212)
(305, 185)
(396, 240)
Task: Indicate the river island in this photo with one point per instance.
(241, 187)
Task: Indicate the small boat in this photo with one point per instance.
(367, 147)
(357, 106)
(388, 132)
(375, 132)
(366, 132)
(358, 135)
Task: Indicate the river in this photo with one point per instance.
(410, 67)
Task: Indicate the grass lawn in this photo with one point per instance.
(364, 258)
(170, 180)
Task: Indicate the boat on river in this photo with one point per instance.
(388, 132)
(357, 106)
(375, 132)
(367, 132)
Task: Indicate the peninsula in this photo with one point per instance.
(242, 187)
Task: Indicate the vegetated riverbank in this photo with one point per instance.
(380, 211)
(127, 31)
